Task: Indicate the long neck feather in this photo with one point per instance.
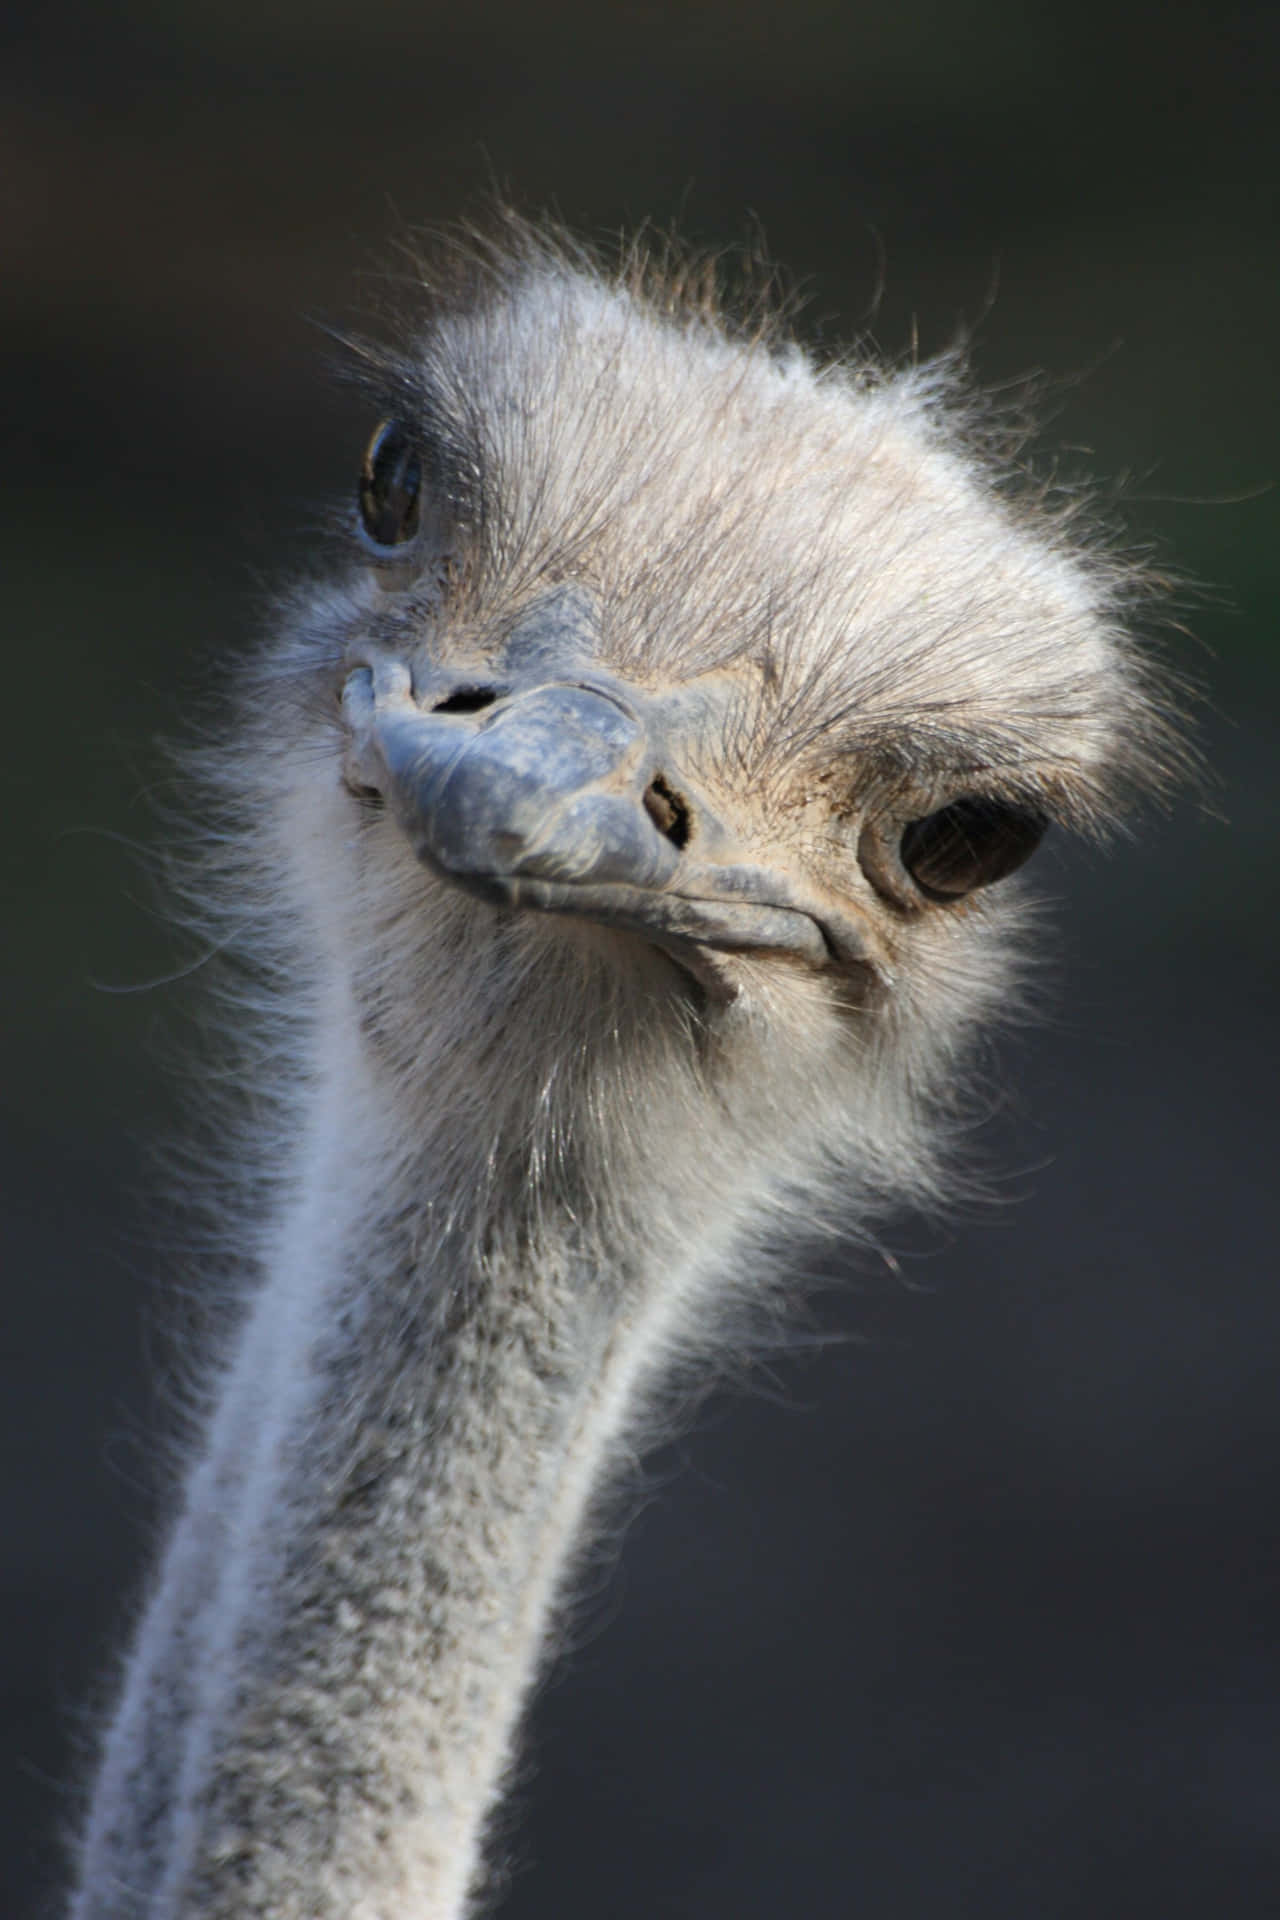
(422, 1404)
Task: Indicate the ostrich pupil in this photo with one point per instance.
(390, 483)
(969, 844)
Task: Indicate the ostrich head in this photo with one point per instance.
(665, 746)
(633, 820)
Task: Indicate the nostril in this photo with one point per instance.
(467, 700)
(372, 797)
(668, 811)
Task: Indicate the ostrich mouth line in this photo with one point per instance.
(673, 920)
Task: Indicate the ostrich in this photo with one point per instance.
(621, 831)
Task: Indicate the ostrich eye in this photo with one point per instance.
(390, 485)
(969, 844)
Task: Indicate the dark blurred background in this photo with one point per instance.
(968, 1604)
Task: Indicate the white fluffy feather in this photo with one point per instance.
(520, 1162)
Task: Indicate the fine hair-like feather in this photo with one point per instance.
(509, 1165)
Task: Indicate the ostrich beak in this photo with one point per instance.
(568, 797)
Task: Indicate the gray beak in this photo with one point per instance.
(546, 786)
(569, 797)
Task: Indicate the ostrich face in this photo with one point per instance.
(746, 662)
(548, 782)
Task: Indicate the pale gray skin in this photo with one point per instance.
(570, 830)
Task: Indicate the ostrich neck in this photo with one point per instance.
(413, 1426)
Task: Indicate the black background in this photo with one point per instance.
(967, 1604)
